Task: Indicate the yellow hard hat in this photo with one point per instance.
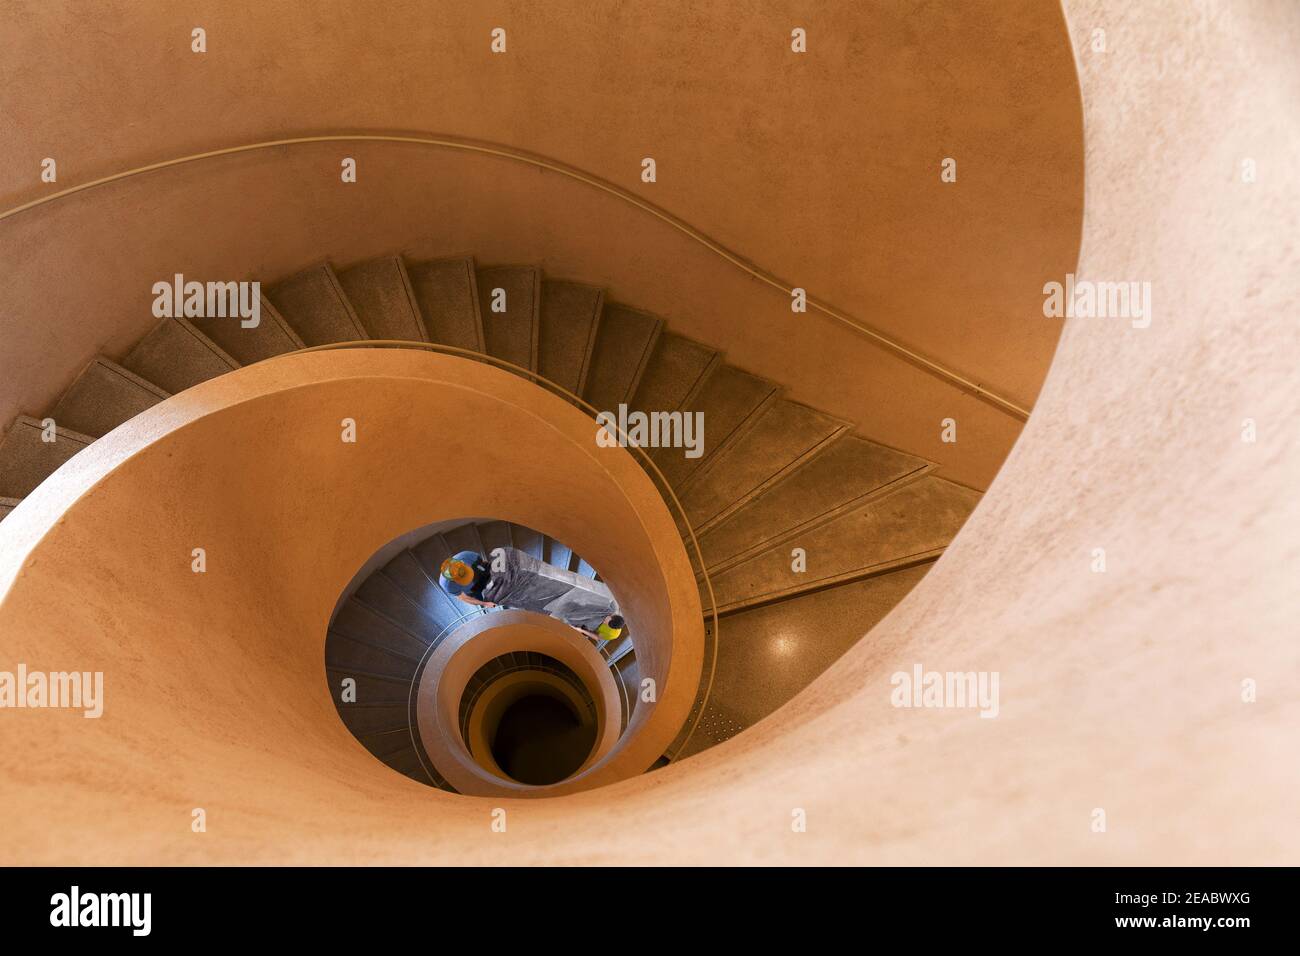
(456, 570)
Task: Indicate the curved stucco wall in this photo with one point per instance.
(823, 168)
(1120, 690)
(469, 647)
(214, 681)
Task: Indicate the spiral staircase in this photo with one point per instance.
(383, 634)
(804, 526)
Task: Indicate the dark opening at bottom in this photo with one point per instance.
(540, 740)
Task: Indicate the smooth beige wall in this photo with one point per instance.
(216, 694)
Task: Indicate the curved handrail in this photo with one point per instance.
(655, 474)
(900, 350)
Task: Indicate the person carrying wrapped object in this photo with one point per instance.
(516, 579)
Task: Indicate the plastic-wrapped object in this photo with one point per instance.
(521, 581)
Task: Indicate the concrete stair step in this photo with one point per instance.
(271, 336)
(784, 437)
(675, 374)
(570, 319)
(448, 300)
(529, 541)
(26, 459)
(380, 594)
(7, 505)
(313, 303)
(390, 742)
(557, 554)
(731, 400)
(366, 721)
(102, 397)
(381, 295)
(624, 345)
(463, 538)
(175, 356)
(494, 534)
(349, 655)
(369, 629)
(511, 335)
(370, 687)
(407, 572)
(407, 763)
(908, 526)
(845, 473)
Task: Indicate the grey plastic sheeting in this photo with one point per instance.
(528, 584)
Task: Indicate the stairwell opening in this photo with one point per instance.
(529, 718)
(402, 644)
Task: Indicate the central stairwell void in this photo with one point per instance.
(803, 531)
(523, 716)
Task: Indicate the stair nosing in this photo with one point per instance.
(59, 432)
(787, 471)
(646, 354)
(901, 563)
(355, 319)
(879, 492)
(122, 372)
(379, 612)
(370, 675)
(742, 429)
(589, 353)
(334, 630)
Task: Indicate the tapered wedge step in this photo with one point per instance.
(271, 336)
(7, 505)
(447, 299)
(175, 356)
(624, 345)
(495, 534)
(366, 626)
(675, 374)
(314, 304)
(529, 541)
(368, 721)
(557, 554)
(26, 459)
(463, 538)
(839, 478)
(570, 319)
(407, 571)
(730, 401)
(912, 525)
(407, 763)
(343, 653)
(103, 396)
(380, 594)
(785, 436)
(509, 299)
(381, 295)
(370, 687)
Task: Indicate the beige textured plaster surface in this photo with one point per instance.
(215, 684)
(1119, 691)
(822, 167)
